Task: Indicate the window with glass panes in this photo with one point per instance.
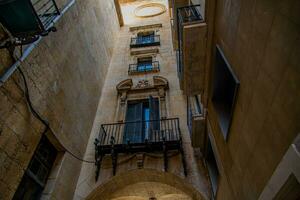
(146, 37)
(143, 120)
(37, 173)
(144, 64)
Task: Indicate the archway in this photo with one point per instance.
(145, 184)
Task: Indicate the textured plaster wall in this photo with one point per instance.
(108, 104)
(65, 74)
(261, 41)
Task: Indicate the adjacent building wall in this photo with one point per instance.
(65, 74)
(261, 41)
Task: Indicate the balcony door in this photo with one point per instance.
(146, 37)
(139, 120)
(144, 64)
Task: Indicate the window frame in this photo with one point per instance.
(31, 177)
(224, 118)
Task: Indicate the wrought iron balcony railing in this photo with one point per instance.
(143, 67)
(145, 41)
(189, 14)
(46, 10)
(158, 136)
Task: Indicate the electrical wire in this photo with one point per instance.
(41, 119)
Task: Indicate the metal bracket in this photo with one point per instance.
(98, 158)
(13, 42)
(114, 155)
(165, 150)
(183, 157)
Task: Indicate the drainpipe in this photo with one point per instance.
(29, 49)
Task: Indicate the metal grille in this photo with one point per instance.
(185, 16)
(46, 11)
(143, 68)
(157, 131)
(189, 14)
(144, 41)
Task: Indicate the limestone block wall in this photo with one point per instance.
(261, 41)
(108, 108)
(65, 75)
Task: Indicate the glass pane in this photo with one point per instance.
(28, 190)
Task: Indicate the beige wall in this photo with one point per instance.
(108, 104)
(261, 41)
(65, 73)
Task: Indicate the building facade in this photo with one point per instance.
(136, 99)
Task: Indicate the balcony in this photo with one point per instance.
(196, 121)
(158, 136)
(174, 5)
(145, 41)
(141, 68)
(36, 18)
(191, 49)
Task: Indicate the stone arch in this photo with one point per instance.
(163, 185)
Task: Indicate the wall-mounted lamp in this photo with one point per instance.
(26, 20)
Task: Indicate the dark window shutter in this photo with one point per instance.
(133, 130)
(154, 115)
(154, 108)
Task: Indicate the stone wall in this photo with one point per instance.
(261, 41)
(65, 75)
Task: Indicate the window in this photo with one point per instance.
(144, 64)
(212, 167)
(146, 37)
(36, 175)
(141, 119)
(225, 87)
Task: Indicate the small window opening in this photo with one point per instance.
(146, 37)
(37, 173)
(225, 88)
(144, 64)
(212, 167)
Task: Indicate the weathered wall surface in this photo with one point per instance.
(65, 74)
(261, 41)
(108, 110)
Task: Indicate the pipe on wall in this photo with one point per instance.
(29, 49)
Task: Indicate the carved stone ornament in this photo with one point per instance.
(142, 84)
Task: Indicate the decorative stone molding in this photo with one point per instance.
(144, 87)
(124, 85)
(142, 84)
(144, 51)
(156, 8)
(160, 81)
(150, 26)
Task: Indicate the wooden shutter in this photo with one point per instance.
(133, 131)
(154, 115)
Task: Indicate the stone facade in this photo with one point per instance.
(110, 105)
(65, 74)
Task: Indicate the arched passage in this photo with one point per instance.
(142, 184)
